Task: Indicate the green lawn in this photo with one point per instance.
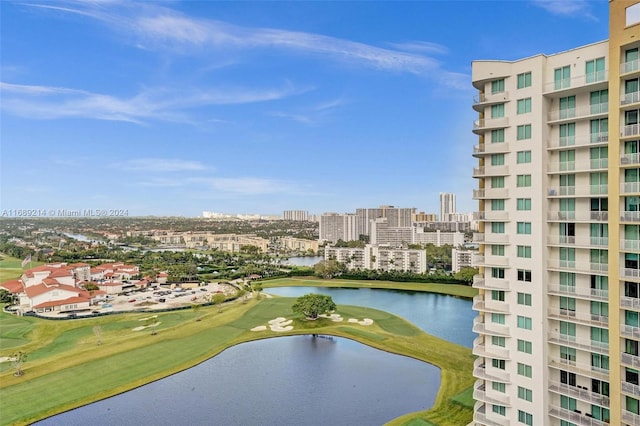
(457, 290)
(66, 352)
(10, 267)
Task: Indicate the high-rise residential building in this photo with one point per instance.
(335, 226)
(396, 216)
(447, 206)
(559, 203)
(296, 215)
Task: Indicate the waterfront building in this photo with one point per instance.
(335, 226)
(380, 258)
(559, 198)
(463, 259)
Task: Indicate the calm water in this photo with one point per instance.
(447, 317)
(298, 380)
(303, 260)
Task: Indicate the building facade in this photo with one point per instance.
(447, 206)
(335, 226)
(380, 258)
(297, 215)
(559, 198)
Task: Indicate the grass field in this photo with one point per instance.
(66, 367)
(456, 290)
(10, 267)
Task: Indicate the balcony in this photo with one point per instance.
(627, 67)
(484, 124)
(490, 351)
(630, 360)
(488, 305)
(480, 394)
(490, 283)
(483, 171)
(629, 331)
(580, 267)
(486, 99)
(630, 130)
(578, 241)
(627, 216)
(492, 215)
(578, 141)
(578, 342)
(630, 302)
(579, 81)
(578, 166)
(578, 317)
(491, 238)
(630, 389)
(578, 113)
(479, 416)
(579, 393)
(630, 245)
(628, 159)
(578, 191)
(490, 148)
(630, 273)
(584, 293)
(478, 237)
(579, 216)
(575, 416)
(629, 187)
(630, 98)
(493, 374)
(492, 193)
(491, 261)
(630, 418)
(489, 328)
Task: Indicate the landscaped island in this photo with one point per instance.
(67, 368)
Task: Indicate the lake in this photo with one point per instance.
(292, 380)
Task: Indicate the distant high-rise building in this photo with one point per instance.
(447, 206)
(297, 215)
(396, 216)
(559, 244)
(335, 226)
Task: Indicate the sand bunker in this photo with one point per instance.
(277, 324)
(332, 317)
(366, 321)
(259, 328)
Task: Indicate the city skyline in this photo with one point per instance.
(177, 108)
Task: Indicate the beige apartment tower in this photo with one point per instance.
(559, 203)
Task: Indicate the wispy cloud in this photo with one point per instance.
(45, 102)
(159, 165)
(570, 8)
(158, 27)
(312, 114)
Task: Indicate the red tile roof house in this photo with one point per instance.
(50, 288)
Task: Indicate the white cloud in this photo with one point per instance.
(161, 28)
(571, 8)
(159, 165)
(44, 102)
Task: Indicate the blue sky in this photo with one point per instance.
(172, 108)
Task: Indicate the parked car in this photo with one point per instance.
(132, 300)
(162, 300)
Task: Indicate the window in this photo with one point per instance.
(631, 55)
(524, 275)
(567, 330)
(599, 157)
(568, 282)
(497, 205)
(524, 157)
(524, 346)
(567, 107)
(524, 80)
(497, 182)
(631, 347)
(524, 106)
(568, 403)
(499, 387)
(525, 370)
(523, 181)
(600, 361)
(595, 70)
(497, 159)
(498, 363)
(499, 409)
(562, 78)
(497, 273)
(599, 257)
(600, 309)
(568, 354)
(524, 132)
(498, 341)
(497, 318)
(567, 257)
(567, 160)
(525, 418)
(524, 322)
(497, 111)
(599, 183)
(524, 299)
(497, 136)
(632, 405)
(497, 295)
(600, 413)
(599, 130)
(632, 290)
(524, 251)
(524, 393)
(524, 204)
(497, 250)
(599, 101)
(600, 285)
(600, 387)
(524, 228)
(567, 378)
(497, 86)
(567, 134)
(567, 305)
(497, 227)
